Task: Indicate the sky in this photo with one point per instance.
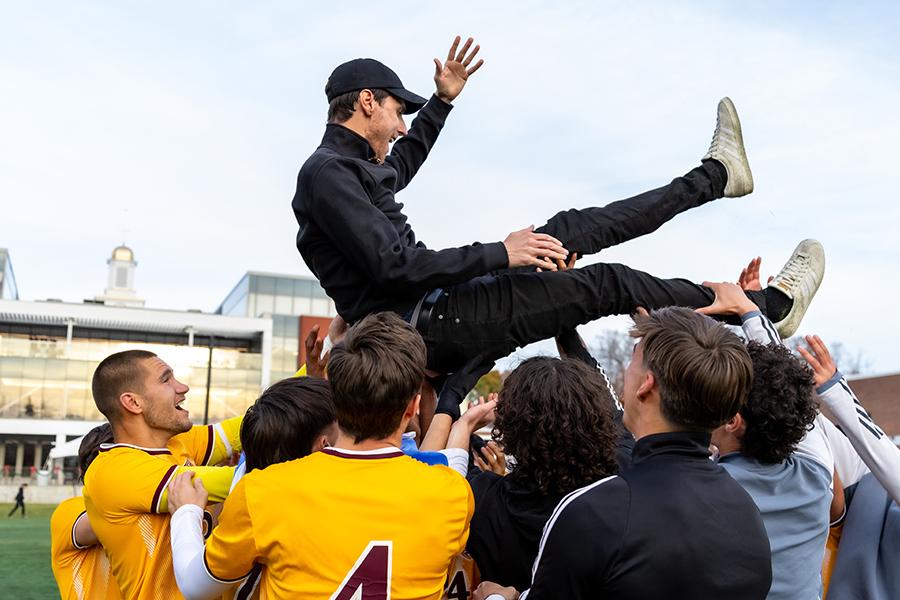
(179, 127)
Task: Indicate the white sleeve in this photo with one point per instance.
(239, 471)
(759, 328)
(875, 448)
(187, 556)
(817, 444)
(849, 466)
(457, 459)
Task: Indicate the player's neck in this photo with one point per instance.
(138, 434)
(347, 442)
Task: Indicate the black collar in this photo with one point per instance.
(347, 142)
(688, 444)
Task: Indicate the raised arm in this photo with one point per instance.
(875, 448)
(450, 78)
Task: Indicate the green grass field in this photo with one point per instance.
(25, 554)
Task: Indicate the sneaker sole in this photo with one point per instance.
(746, 179)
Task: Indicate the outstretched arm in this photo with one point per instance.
(875, 448)
(450, 78)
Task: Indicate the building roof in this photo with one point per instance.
(131, 319)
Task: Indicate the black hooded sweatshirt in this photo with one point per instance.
(506, 528)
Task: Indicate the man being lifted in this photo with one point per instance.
(476, 303)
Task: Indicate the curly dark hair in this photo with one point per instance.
(555, 417)
(782, 404)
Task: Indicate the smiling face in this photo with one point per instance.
(162, 398)
(385, 126)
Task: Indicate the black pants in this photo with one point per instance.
(16, 507)
(489, 317)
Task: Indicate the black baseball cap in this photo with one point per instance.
(368, 73)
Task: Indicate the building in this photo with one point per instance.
(49, 350)
(294, 304)
(880, 395)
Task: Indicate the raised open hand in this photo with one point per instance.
(749, 277)
(819, 358)
(315, 362)
(491, 458)
(450, 77)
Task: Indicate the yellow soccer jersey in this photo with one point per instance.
(831, 552)
(462, 579)
(81, 572)
(344, 525)
(127, 502)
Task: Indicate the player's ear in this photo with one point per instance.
(131, 403)
(736, 426)
(412, 409)
(647, 386)
(320, 444)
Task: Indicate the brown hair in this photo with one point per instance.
(555, 417)
(374, 372)
(702, 369)
(342, 107)
(116, 374)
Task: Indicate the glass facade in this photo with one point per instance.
(43, 376)
(283, 298)
(8, 289)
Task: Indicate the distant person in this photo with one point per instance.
(20, 501)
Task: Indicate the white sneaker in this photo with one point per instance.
(727, 147)
(799, 280)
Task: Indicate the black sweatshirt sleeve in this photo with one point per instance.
(410, 151)
(365, 236)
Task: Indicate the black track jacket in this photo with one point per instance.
(673, 525)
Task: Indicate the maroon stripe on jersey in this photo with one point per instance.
(337, 452)
(154, 451)
(154, 505)
(245, 590)
(210, 444)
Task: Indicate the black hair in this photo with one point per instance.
(555, 416)
(342, 107)
(782, 404)
(90, 445)
(285, 421)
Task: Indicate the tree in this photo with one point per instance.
(489, 383)
(612, 349)
(848, 361)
